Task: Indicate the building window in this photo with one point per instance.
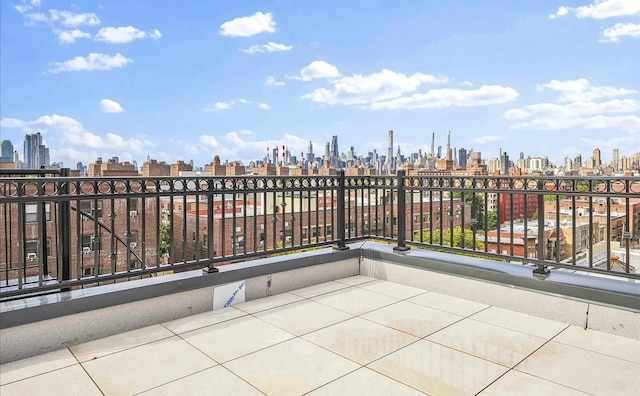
(90, 208)
(91, 242)
(133, 204)
(31, 212)
(133, 238)
(238, 241)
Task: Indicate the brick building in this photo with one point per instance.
(111, 168)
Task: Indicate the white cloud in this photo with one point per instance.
(110, 106)
(618, 30)
(488, 139)
(209, 141)
(264, 106)
(615, 113)
(630, 139)
(317, 69)
(601, 9)
(448, 97)
(392, 90)
(268, 47)
(582, 90)
(64, 18)
(125, 34)
(12, 123)
(26, 5)
(272, 82)
(467, 84)
(67, 131)
(225, 105)
(94, 61)
(218, 106)
(70, 36)
(371, 89)
(249, 25)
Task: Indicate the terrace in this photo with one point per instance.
(323, 294)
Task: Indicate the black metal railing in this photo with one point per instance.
(61, 232)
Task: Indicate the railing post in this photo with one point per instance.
(64, 229)
(401, 214)
(341, 245)
(541, 269)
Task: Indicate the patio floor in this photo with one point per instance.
(352, 336)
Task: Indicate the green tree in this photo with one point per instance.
(457, 239)
(492, 220)
(165, 238)
(476, 202)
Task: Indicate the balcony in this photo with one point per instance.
(332, 310)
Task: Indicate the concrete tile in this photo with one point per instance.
(229, 340)
(517, 321)
(596, 341)
(214, 381)
(303, 317)
(360, 340)
(438, 370)
(293, 367)
(262, 304)
(614, 321)
(517, 383)
(411, 318)
(493, 343)
(72, 380)
(356, 280)
(119, 342)
(365, 382)
(446, 303)
(392, 289)
(355, 301)
(584, 370)
(29, 367)
(138, 369)
(204, 319)
(322, 288)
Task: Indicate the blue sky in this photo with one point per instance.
(192, 79)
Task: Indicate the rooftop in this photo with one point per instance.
(380, 326)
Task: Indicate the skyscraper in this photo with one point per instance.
(6, 151)
(310, 155)
(36, 154)
(597, 161)
(615, 158)
(390, 166)
(462, 158)
(433, 144)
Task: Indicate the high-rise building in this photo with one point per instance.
(597, 160)
(433, 144)
(6, 151)
(36, 154)
(615, 158)
(462, 158)
(335, 154)
(390, 167)
(310, 155)
(504, 163)
(577, 162)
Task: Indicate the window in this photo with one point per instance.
(133, 204)
(238, 241)
(31, 212)
(133, 238)
(262, 238)
(92, 242)
(204, 240)
(329, 229)
(90, 208)
(88, 271)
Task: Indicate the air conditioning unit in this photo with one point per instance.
(133, 213)
(31, 256)
(86, 250)
(261, 243)
(133, 245)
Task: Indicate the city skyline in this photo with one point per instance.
(553, 78)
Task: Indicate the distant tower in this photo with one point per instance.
(327, 152)
(462, 158)
(433, 144)
(335, 154)
(310, 155)
(448, 140)
(390, 152)
(616, 156)
(439, 151)
(596, 157)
